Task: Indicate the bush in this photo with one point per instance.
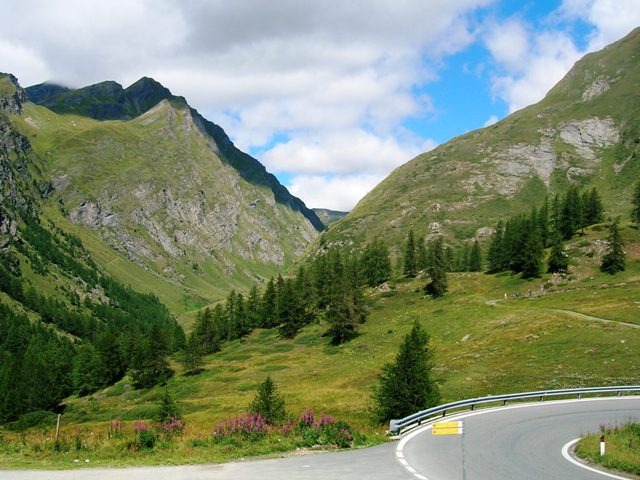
(32, 419)
(251, 426)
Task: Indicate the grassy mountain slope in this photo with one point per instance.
(576, 331)
(187, 215)
(586, 131)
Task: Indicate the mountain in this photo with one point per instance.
(160, 195)
(329, 216)
(585, 132)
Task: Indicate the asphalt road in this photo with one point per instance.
(513, 443)
(522, 442)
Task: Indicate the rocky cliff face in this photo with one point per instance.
(586, 132)
(15, 193)
(168, 190)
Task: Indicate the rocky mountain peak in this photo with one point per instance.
(12, 95)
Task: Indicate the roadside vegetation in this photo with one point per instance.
(622, 448)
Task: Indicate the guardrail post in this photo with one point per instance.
(473, 406)
(542, 398)
(504, 403)
(579, 396)
(444, 413)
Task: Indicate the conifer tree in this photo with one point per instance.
(192, 355)
(475, 257)
(543, 223)
(406, 385)
(149, 366)
(495, 256)
(375, 263)
(613, 260)
(289, 310)
(592, 207)
(422, 255)
(253, 307)
(533, 254)
(268, 402)
(168, 408)
(437, 286)
(344, 310)
(306, 295)
(268, 317)
(410, 256)
(558, 261)
(635, 212)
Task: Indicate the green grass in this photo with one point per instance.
(622, 448)
(163, 180)
(464, 184)
(483, 345)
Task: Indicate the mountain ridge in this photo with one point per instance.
(584, 132)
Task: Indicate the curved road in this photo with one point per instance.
(519, 442)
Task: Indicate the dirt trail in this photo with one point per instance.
(583, 316)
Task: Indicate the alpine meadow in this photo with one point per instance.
(168, 301)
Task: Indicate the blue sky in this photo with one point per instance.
(331, 96)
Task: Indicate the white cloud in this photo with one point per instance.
(337, 78)
(342, 153)
(532, 65)
(612, 19)
(336, 193)
(493, 119)
(531, 62)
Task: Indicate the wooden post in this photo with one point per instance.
(57, 427)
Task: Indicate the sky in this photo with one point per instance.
(330, 95)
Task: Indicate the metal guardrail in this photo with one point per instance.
(396, 426)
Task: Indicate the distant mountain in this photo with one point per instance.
(329, 216)
(158, 193)
(585, 132)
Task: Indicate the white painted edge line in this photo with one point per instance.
(400, 448)
(567, 456)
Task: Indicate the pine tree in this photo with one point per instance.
(268, 316)
(375, 263)
(253, 308)
(406, 385)
(613, 260)
(437, 271)
(410, 256)
(495, 256)
(558, 261)
(268, 402)
(289, 310)
(422, 255)
(344, 310)
(635, 213)
(543, 223)
(192, 356)
(475, 257)
(168, 408)
(149, 366)
(533, 254)
(592, 207)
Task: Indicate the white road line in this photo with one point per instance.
(567, 456)
(409, 436)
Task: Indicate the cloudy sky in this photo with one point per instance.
(330, 95)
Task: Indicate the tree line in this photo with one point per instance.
(82, 346)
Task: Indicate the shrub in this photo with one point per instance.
(250, 426)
